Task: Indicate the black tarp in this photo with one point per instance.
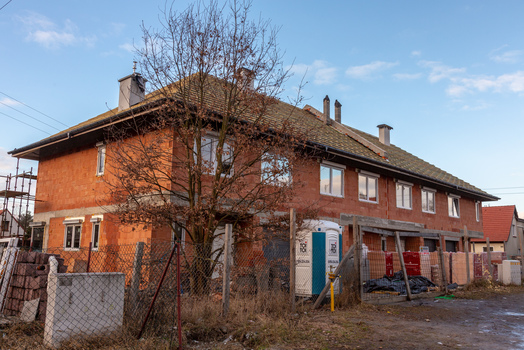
(417, 284)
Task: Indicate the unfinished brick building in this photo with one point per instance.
(356, 174)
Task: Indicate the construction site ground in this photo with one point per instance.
(491, 318)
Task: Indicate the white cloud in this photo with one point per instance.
(9, 102)
(46, 33)
(475, 107)
(321, 71)
(407, 76)
(7, 163)
(416, 53)
(513, 82)
(440, 71)
(367, 70)
(510, 56)
(127, 47)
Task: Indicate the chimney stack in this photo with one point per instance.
(383, 133)
(326, 109)
(245, 80)
(338, 116)
(132, 90)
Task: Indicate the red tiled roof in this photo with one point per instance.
(497, 222)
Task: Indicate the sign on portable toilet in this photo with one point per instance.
(318, 248)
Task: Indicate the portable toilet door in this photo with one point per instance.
(317, 249)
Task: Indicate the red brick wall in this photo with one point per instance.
(69, 181)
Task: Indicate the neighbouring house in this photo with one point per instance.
(10, 228)
(356, 174)
(501, 226)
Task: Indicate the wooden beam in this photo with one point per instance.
(466, 250)
(394, 225)
(349, 254)
(292, 258)
(402, 265)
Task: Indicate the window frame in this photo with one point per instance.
(451, 200)
(366, 175)
(332, 166)
(477, 211)
(213, 142)
(282, 180)
(73, 227)
(100, 159)
(96, 222)
(425, 192)
(37, 226)
(404, 185)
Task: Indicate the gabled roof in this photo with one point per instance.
(497, 222)
(398, 162)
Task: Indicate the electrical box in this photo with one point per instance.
(510, 272)
(318, 248)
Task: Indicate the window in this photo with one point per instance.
(101, 159)
(72, 236)
(428, 201)
(331, 180)
(368, 187)
(477, 211)
(513, 231)
(275, 170)
(37, 238)
(451, 246)
(485, 249)
(404, 195)
(5, 225)
(95, 239)
(453, 206)
(209, 146)
(384, 244)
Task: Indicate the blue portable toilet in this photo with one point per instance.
(318, 247)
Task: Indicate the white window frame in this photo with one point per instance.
(73, 224)
(366, 176)
(332, 166)
(404, 185)
(96, 223)
(425, 193)
(451, 201)
(267, 177)
(477, 210)
(208, 146)
(513, 230)
(100, 159)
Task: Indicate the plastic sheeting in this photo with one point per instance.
(417, 284)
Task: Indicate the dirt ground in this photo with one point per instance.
(469, 321)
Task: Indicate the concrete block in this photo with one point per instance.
(36, 282)
(18, 293)
(29, 310)
(93, 303)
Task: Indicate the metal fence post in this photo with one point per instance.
(292, 258)
(227, 270)
(89, 256)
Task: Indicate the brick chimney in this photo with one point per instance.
(325, 118)
(338, 115)
(132, 90)
(246, 79)
(383, 133)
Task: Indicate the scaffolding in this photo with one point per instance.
(17, 198)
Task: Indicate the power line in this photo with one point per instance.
(7, 3)
(503, 188)
(34, 109)
(34, 127)
(13, 108)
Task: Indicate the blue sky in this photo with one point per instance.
(448, 76)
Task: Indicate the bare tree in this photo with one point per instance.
(217, 146)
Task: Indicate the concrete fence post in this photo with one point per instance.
(137, 272)
(226, 277)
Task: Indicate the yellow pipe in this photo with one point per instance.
(332, 298)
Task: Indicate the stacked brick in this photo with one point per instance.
(29, 282)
